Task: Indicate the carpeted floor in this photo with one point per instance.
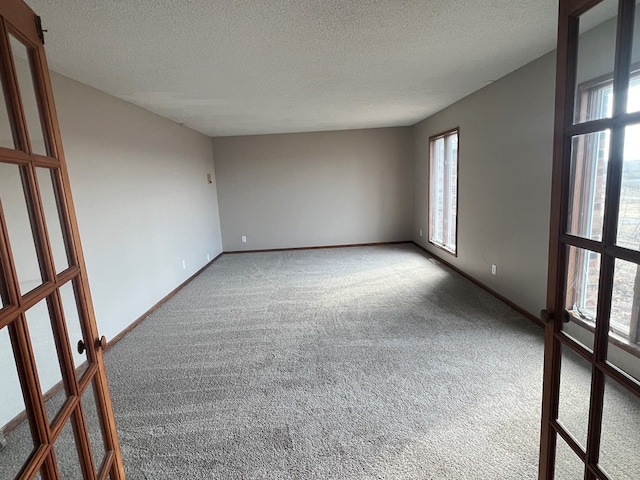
(351, 363)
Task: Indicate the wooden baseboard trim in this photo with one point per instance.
(13, 423)
(21, 417)
(500, 297)
(167, 297)
(319, 247)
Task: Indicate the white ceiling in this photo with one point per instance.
(239, 67)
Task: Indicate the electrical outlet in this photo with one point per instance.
(184, 265)
(208, 257)
(244, 239)
(420, 232)
(494, 269)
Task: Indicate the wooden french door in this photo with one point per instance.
(56, 419)
(591, 399)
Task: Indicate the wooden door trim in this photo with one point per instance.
(19, 21)
(103, 398)
(565, 74)
(30, 299)
(20, 15)
(19, 122)
(559, 241)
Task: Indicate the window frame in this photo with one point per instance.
(446, 215)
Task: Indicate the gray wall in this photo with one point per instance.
(315, 189)
(505, 157)
(139, 184)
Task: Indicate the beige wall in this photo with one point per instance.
(313, 189)
(143, 204)
(505, 157)
(142, 200)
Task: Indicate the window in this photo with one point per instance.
(590, 158)
(443, 190)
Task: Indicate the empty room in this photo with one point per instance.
(320, 239)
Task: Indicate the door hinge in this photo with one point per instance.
(39, 29)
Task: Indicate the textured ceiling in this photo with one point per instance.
(237, 67)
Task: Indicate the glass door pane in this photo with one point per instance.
(624, 351)
(67, 453)
(589, 162)
(596, 55)
(74, 329)
(568, 464)
(22, 63)
(16, 215)
(633, 102)
(46, 356)
(52, 218)
(15, 430)
(575, 393)
(4, 293)
(581, 295)
(628, 235)
(7, 130)
(620, 441)
(625, 299)
(94, 426)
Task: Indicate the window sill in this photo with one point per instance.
(614, 338)
(443, 248)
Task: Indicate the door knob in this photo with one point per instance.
(546, 316)
(102, 343)
(81, 347)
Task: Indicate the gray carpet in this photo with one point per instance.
(354, 363)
